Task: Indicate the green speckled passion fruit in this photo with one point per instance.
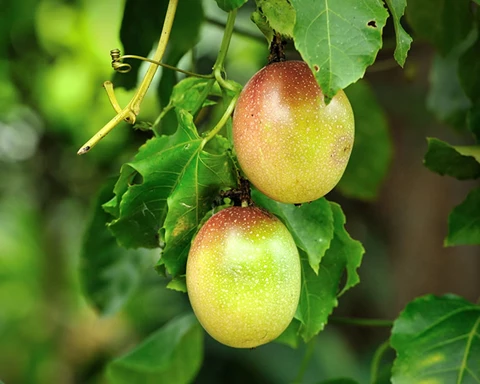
(291, 145)
(243, 277)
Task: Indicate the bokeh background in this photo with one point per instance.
(54, 57)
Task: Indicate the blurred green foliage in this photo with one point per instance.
(54, 57)
(53, 61)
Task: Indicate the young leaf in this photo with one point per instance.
(230, 5)
(436, 340)
(397, 8)
(319, 293)
(372, 149)
(109, 274)
(338, 39)
(173, 354)
(311, 225)
(444, 23)
(190, 93)
(452, 161)
(275, 15)
(464, 221)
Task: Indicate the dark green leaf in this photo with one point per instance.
(338, 39)
(201, 180)
(290, 336)
(230, 5)
(397, 8)
(464, 221)
(319, 293)
(473, 120)
(372, 149)
(160, 164)
(141, 27)
(446, 97)
(311, 225)
(469, 71)
(339, 381)
(437, 341)
(179, 182)
(444, 23)
(109, 273)
(452, 161)
(274, 15)
(173, 355)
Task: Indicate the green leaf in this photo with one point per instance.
(464, 221)
(230, 5)
(444, 159)
(372, 150)
(202, 178)
(178, 283)
(437, 341)
(290, 336)
(469, 70)
(319, 293)
(274, 15)
(150, 16)
(311, 225)
(109, 274)
(173, 355)
(338, 39)
(444, 23)
(397, 9)
(190, 94)
(473, 120)
(339, 381)
(446, 97)
(179, 182)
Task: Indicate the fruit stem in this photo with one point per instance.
(222, 53)
(377, 359)
(277, 53)
(361, 322)
(133, 107)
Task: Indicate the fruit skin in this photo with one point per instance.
(291, 145)
(243, 277)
